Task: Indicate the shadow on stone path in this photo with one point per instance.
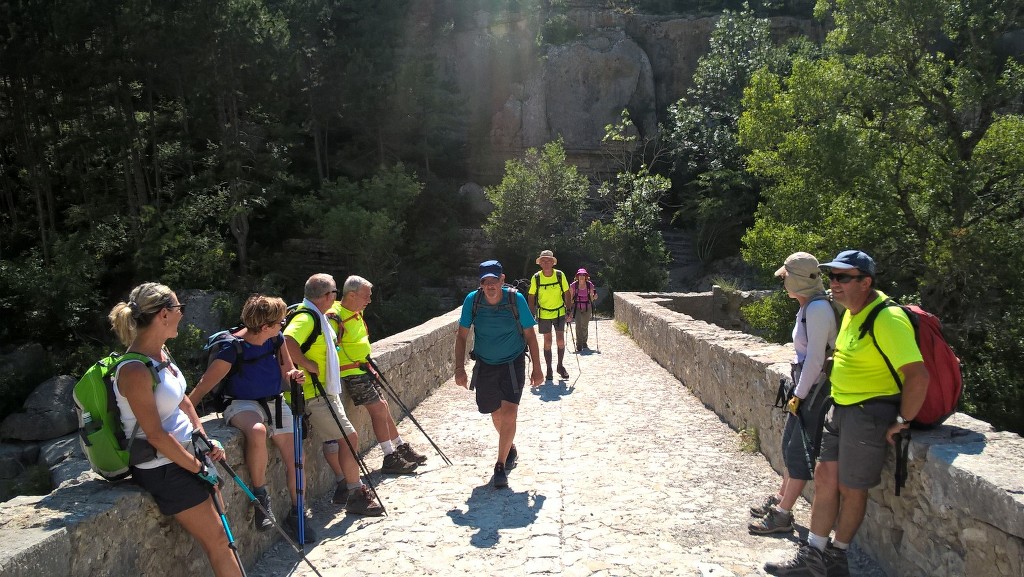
(621, 472)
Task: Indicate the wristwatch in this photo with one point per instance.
(901, 420)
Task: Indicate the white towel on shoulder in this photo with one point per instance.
(332, 380)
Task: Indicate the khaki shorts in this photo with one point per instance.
(323, 426)
(240, 406)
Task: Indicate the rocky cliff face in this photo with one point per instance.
(521, 94)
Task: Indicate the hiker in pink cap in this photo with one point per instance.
(583, 297)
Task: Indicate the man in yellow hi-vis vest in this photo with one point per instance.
(549, 299)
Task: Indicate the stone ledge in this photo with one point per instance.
(962, 510)
(90, 527)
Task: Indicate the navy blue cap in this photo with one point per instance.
(490, 268)
(850, 259)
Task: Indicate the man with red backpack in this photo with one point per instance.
(583, 297)
(870, 408)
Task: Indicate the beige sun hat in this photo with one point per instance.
(547, 254)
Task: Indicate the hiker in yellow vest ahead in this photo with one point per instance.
(549, 299)
(361, 384)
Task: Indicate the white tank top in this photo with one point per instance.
(169, 392)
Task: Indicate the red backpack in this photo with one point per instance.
(945, 383)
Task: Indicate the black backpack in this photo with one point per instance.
(221, 395)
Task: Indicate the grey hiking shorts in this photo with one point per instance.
(855, 437)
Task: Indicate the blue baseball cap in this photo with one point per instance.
(850, 259)
(490, 268)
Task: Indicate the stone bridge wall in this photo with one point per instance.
(90, 528)
(962, 510)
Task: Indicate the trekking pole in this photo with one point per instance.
(386, 385)
(571, 331)
(597, 334)
(298, 412)
(359, 460)
(252, 499)
(214, 494)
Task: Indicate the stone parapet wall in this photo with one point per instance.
(88, 527)
(961, 512)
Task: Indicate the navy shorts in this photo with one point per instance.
(174, 489)
(497, 383)
(796, 450)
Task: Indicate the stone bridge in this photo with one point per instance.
(644, 462)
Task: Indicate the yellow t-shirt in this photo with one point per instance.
(859, 372)
(353, 340)
(300, 327)
(549, 293)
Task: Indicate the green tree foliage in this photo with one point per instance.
(626, 244)
(717, 196)
(905, 140)
(538, 205)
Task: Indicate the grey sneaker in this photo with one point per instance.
(776, 521)
(263, 522)
(360, 502)
(500, 479)
(835, 562)
(762, 509)
(292, 525)
(395, 464)
(410, 454)
(809, 562)
(511, 458)
(340, 494)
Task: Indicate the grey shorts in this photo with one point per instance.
(323, 424)
(363, 389)
(241, 406)
(855, 437)
(544, 325)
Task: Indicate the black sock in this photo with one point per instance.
(547, 357)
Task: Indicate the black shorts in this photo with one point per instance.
(174, 489)
(497, 383)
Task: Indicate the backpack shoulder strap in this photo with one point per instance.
(868, 327)
(313, 335)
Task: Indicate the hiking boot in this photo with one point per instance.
(500, 479)
(776, 521)
(263, 522)
(809, 562)
(410, 454)
(340, 494)
(395, 464)
(835, 562)
(762, 509)
(292, 526)
(548, 376)
(562, 372)
(360, 502)
(511, 458)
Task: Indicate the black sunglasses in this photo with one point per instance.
(179, 306)
(843, 278)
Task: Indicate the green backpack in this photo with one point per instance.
(99, 419)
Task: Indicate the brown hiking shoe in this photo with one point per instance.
(562, 372)
(410, 454)
(395, 464)
(360, 502)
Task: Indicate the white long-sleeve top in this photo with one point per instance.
(814, 334)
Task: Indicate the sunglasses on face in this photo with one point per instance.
(179, 306)
(843, 278)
